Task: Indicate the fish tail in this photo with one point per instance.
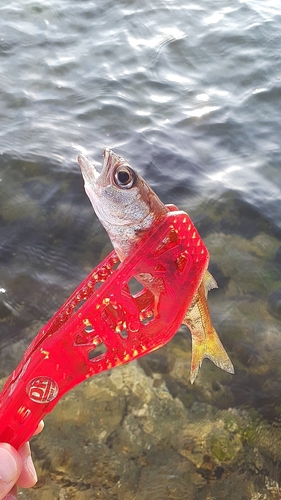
(211, 348)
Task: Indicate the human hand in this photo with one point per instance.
(16, 469)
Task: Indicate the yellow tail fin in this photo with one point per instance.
(211, 348)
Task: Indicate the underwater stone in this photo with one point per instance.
(224, 445)
(274, 303)
(277, 257)
(4, 311)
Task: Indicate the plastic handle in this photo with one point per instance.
(103, 324)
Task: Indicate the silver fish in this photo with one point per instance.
(127, 208)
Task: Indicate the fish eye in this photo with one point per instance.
(124, 177)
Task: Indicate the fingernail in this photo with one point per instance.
(31, 468)
(8, 466)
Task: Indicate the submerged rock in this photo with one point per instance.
(119, 437)
(274, 303)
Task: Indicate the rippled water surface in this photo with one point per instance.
(190, 94)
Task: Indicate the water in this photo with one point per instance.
(190, 94)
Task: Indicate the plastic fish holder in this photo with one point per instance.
(104, 324)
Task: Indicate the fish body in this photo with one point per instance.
(128, 209)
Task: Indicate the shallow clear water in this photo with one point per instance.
(190, 94)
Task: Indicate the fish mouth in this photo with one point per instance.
(111, 160)
(88, 169)
(94, 177)
(107, 157)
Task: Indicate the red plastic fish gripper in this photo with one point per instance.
(103, 324)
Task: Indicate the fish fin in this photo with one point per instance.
(209, 282)
(211, 348)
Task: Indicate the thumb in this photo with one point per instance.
(10, 468)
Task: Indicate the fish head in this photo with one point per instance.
(124, 203)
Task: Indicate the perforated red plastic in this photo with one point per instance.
(104, 324)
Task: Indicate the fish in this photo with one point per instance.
(128, 209)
